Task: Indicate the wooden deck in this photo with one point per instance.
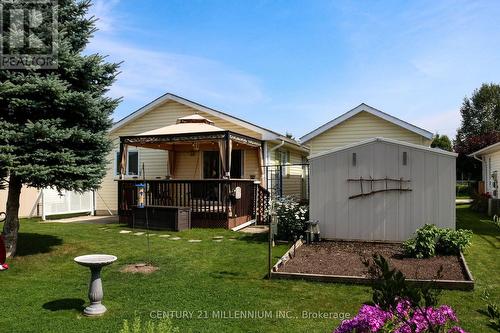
(212, 202)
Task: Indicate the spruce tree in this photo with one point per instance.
(54, 122)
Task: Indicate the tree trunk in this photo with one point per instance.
(11, 225)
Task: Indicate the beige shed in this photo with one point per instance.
(382, 190)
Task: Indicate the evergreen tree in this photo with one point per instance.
(54, 122)
(442, 142)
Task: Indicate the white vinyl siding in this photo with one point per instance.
(387, 215)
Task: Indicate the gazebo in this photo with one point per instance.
(215, 199)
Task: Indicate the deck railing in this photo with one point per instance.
(211, 200)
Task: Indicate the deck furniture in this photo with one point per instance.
(175, 218)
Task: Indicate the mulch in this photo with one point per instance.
(349, 259)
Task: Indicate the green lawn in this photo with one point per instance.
(44, 291)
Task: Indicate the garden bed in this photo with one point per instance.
(345, 261)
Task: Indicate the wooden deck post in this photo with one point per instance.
(228, 156)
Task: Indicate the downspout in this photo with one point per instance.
(477, 158)
(273, 149)
(278, 146)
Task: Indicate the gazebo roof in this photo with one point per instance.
(186, 125)
(187, 129)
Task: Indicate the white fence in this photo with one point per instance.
(66, 202)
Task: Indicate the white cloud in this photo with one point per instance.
(442, 122)
(147, 73)
(102, 10)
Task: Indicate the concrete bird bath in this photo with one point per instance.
(95, 262)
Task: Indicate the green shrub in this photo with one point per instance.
(163, 325)
(423, 245)
(430, 240)
(464, 190)
(292, 217)
(389, 286)
(453, 241)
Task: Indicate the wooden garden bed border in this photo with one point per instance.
(443, 284)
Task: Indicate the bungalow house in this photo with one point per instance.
(490, 159)
(363, 123)
(197, 157)
(221, 167)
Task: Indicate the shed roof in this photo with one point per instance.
(366, 108)
(401, 143)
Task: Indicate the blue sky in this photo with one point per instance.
(294, 65)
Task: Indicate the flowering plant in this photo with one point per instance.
(292, 217)
(404, 318)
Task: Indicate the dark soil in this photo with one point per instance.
(349, 258)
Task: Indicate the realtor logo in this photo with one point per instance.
(28, 34)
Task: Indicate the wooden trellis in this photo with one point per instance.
(401, 181)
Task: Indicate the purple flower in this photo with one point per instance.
(403, 308)
(404, 318)
(369, 319)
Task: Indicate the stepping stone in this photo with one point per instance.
(217, 240)
(152, 234)
(218, 237)
(103, 228)
(232, 239)
(125, 231)
(194, 240)
(138, 233)
(164, 236)
(175, 238)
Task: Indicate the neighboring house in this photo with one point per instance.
(362, 123)
(490, 158)
(186, 150)
(49, 202)
(27, 201)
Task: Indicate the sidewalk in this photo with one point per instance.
(86, 219)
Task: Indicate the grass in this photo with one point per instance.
(44, 291)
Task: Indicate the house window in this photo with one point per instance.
(283, 159)
(405, 158)
(211, 165)
(237, 163)
(132, 168)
